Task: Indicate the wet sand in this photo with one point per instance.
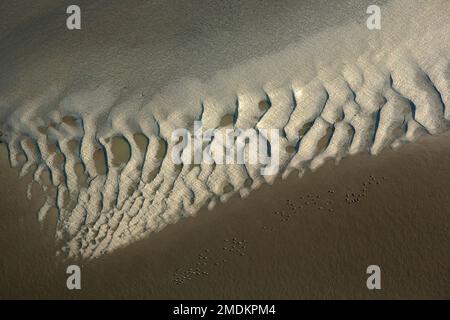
(300, 238)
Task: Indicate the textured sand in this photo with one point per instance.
(151, 67)
(396, 215)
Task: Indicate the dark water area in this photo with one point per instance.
(312, 237)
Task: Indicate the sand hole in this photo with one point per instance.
(121, 151)
(228, 188)
(178, 168)
(180, 139)
(152, 175)
(21, 159)
(227, 120)
(162, 149)
(58, 160)
(81, 175)
(263, 105)
(350, 131)
(323, 142)
(130, 191)
(290, 149)
(305, 128)
(45, 178)
(74, 146)
(42, 130)
(141, 141)
(100, 161)
(51, 147)
(70, 121)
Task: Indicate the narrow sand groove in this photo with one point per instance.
(108, 151)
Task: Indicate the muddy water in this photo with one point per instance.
(301, 238)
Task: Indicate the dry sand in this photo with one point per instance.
(301, 238)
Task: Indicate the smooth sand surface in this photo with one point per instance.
(301, 238)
